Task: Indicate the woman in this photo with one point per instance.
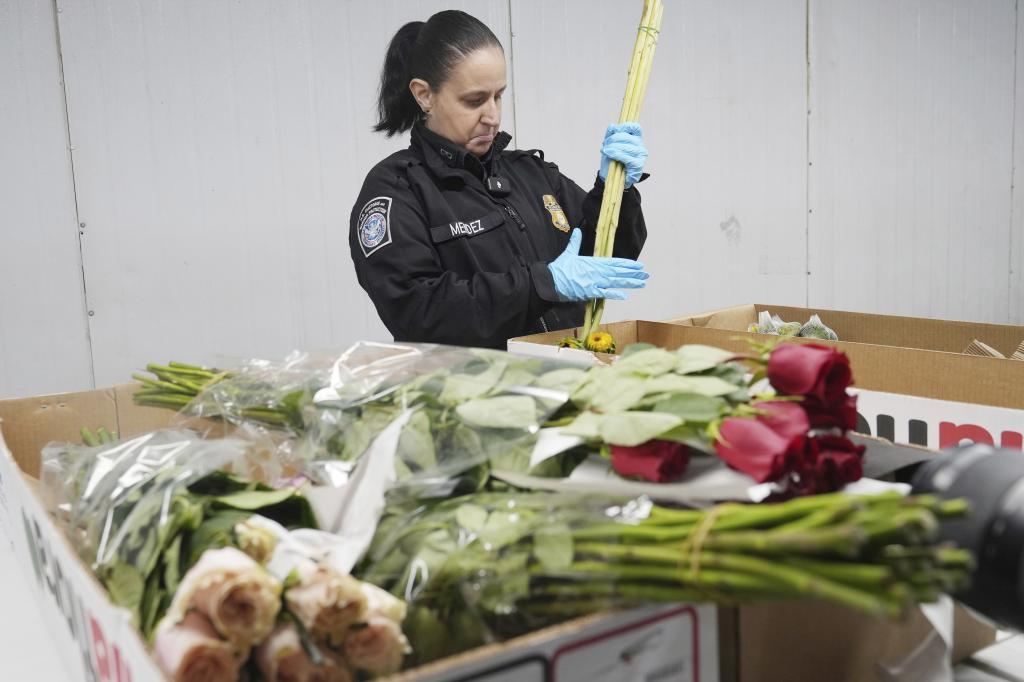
(458, 240)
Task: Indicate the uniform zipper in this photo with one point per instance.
(522, 227)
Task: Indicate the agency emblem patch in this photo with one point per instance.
(375, 225)
(558, 218)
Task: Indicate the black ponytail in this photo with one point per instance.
(426, 50)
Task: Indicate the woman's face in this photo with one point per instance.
(466, 109)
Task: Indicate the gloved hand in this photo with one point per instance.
(580, 278)
(624, 142)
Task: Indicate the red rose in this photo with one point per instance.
(833, 461)
(841, 414)
(754, 448)
(809, 370)
(655, 460)
(788, 419)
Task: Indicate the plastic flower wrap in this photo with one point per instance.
(485, 567)
(143, 510)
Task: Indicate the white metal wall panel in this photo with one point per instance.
(44, 344)
(911, 122)
(725, 122)
(219, 149)
(1016, 232)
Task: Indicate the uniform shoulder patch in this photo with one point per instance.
(374, 225)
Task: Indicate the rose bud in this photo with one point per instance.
(282, 658)
(752, 447)
(788, 419)
(239, 596)
(811, 370)
(325, 601)
(841, 414)
(655, 460)
(255, 540)
(191, 651)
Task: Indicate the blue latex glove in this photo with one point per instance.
(624, 142)
(580, 278)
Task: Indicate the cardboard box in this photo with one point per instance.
(915, 384)
(97, 641)
(698, 643)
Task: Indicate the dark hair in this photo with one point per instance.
(426, 50)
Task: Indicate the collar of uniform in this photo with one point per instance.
(448, 158)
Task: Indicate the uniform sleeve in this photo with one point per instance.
(585, 207)
(416, 298)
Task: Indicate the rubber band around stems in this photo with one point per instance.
(649, 30)
(694, 545)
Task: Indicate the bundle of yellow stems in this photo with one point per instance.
(615, 183)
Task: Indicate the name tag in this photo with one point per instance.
(459, 229)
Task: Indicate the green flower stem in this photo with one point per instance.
(823, 517)
(843, 540)
(680, 575)
(156, 383)
(861, 575)
(584, 590)
(181, 371)
(164, 400)
(807, 584)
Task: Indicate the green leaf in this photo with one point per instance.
(125, 585)
(220, 483)
(154, 602)
(619, 393)
(592, 384)
(514, 455)
(688, 435)
(458, 388)
(502, 528)
(567, 379)
(634, 428)
(216, 531)
(516, 376)
(503, 412)
(172, 564)
(416, 444)
(472, 517)
(697, 358)
(511, 584)
(552, 546)
(649, 362)
(427, 634)
(586, 425)
(692, 407)
(254, 500)
(673, 383)
(634, 348)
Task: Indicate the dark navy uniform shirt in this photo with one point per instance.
(445, 260)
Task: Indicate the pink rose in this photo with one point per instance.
(378, 647)
(282, 658)
(326, 602)
(191, 651)
(238, 596)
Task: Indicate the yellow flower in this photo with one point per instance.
(570, 342)
(600, 342)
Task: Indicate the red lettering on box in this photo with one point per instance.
(99, 645)
(1012, 439)
(951, 434)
